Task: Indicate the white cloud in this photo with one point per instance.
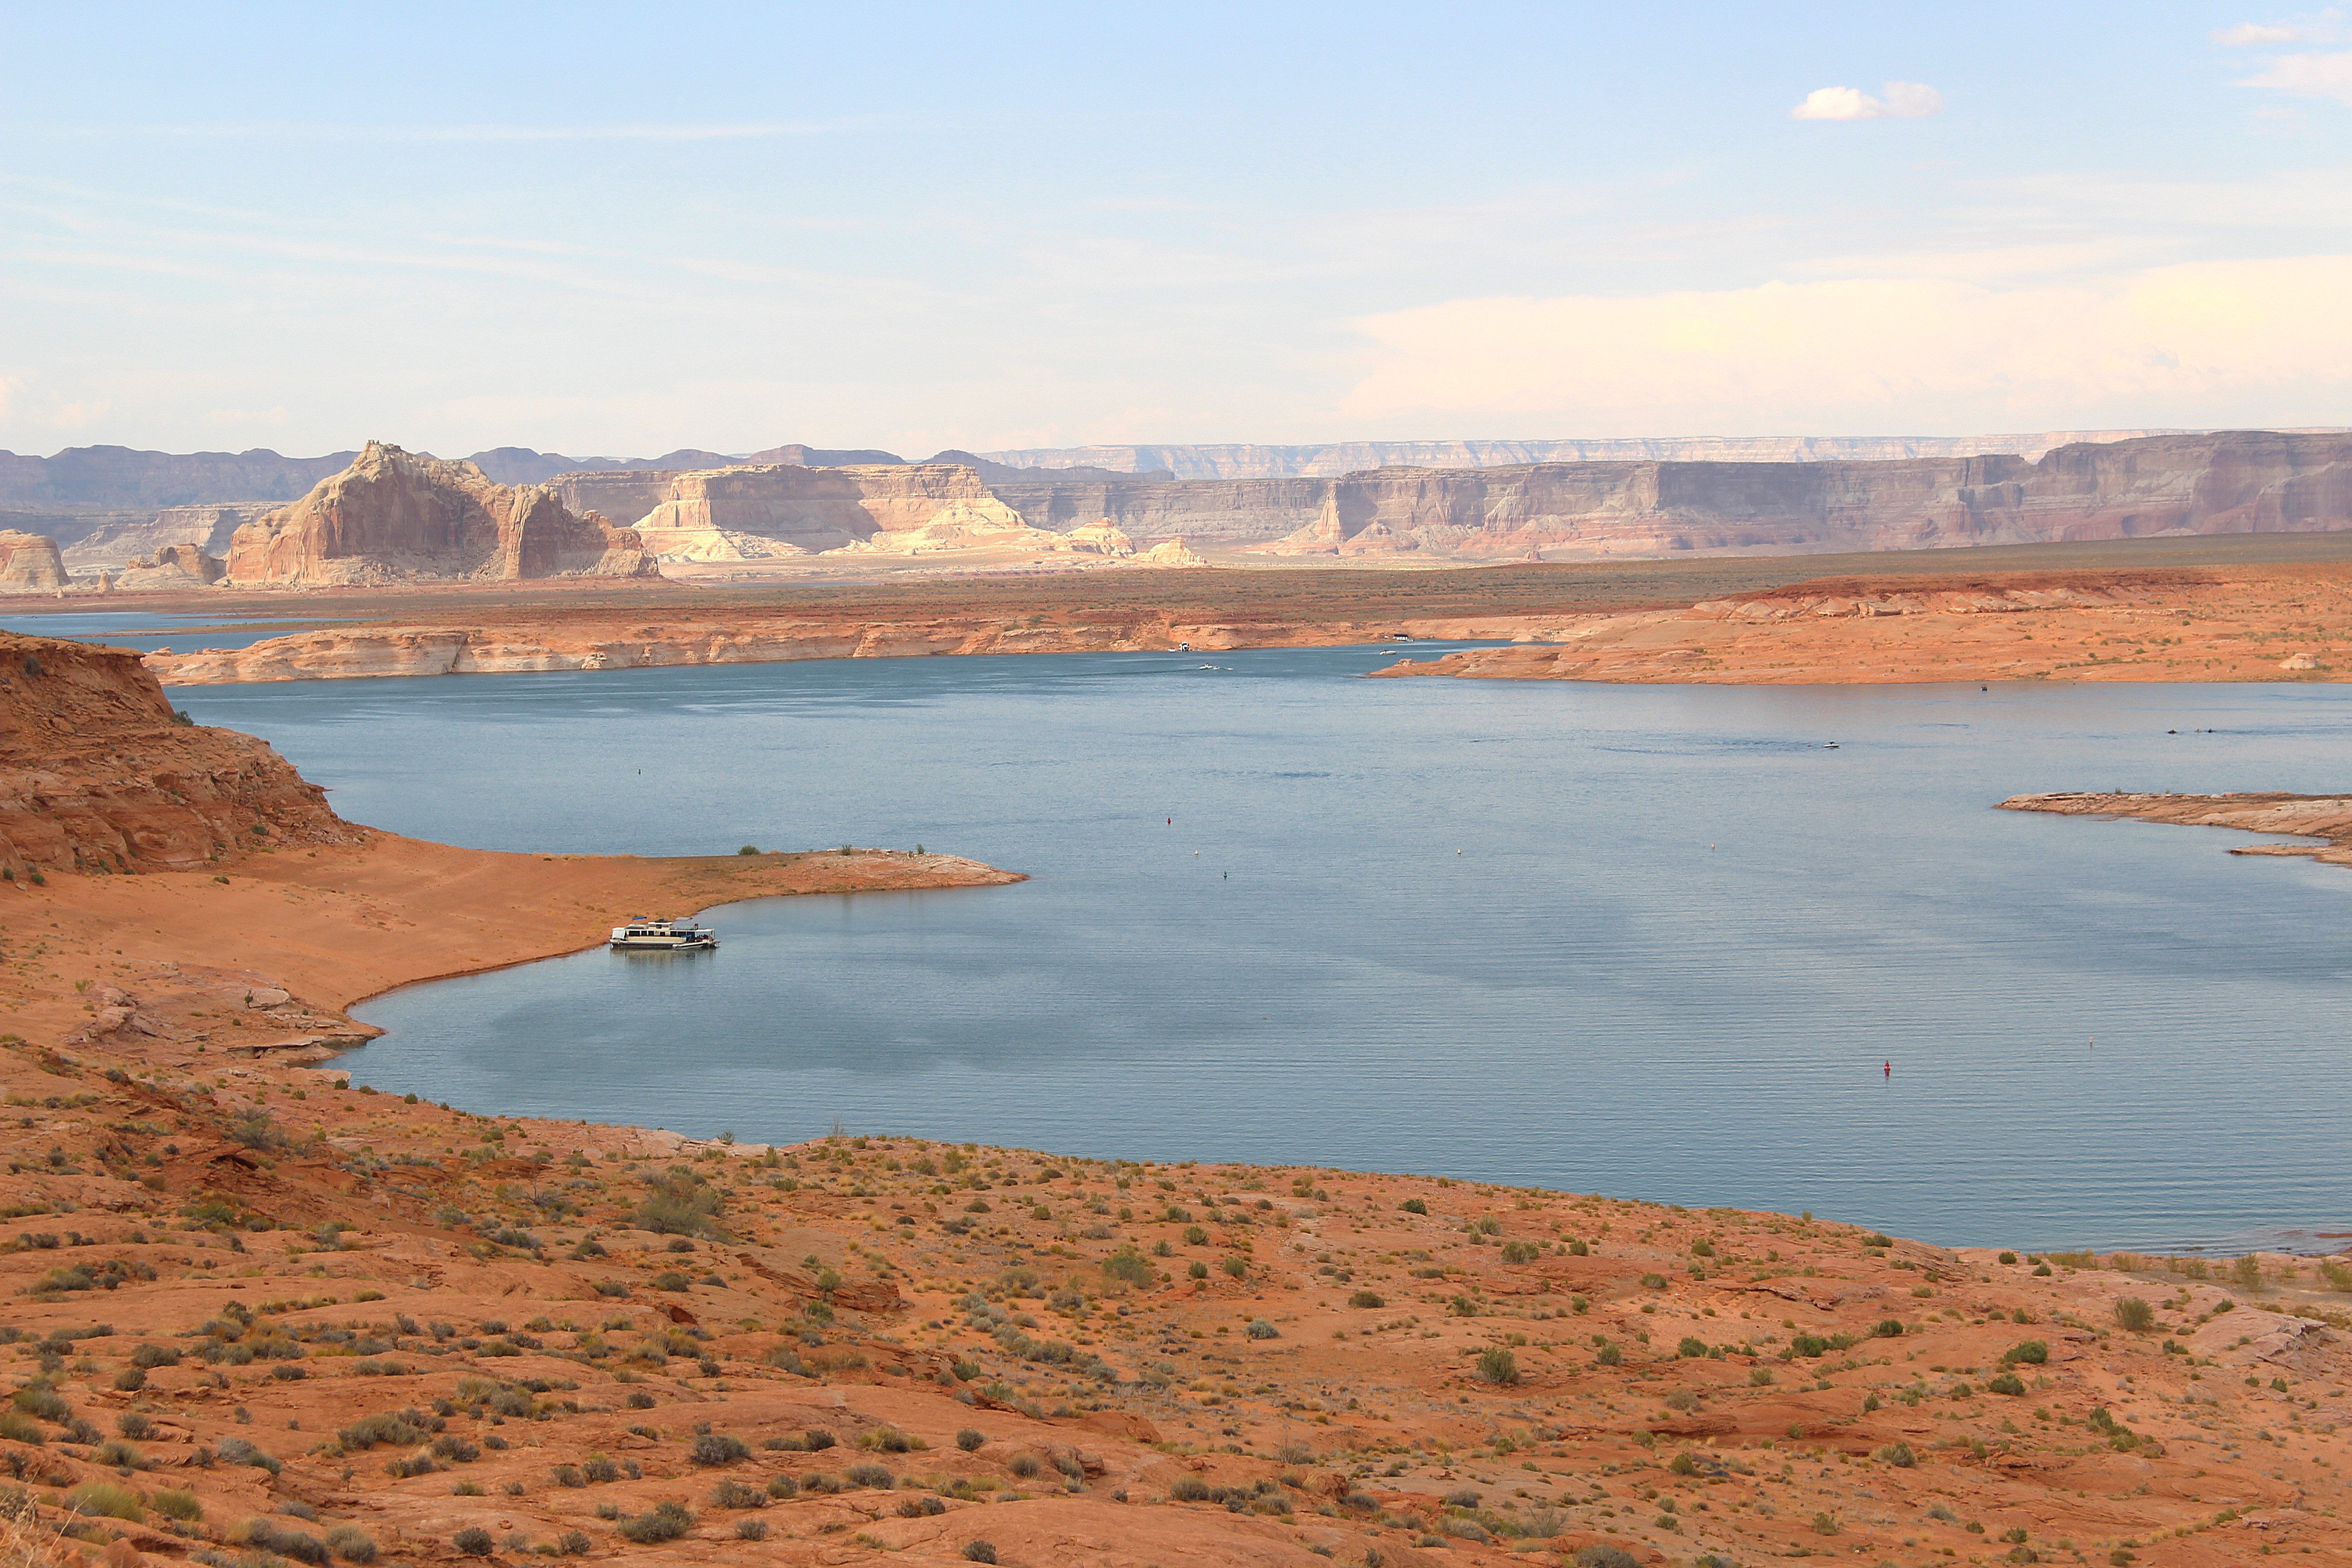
(2190, 344)
(2323, 26)
(2308, 75)
(1904, 100)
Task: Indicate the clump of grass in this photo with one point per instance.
(2134, 1314)
(104, 1500)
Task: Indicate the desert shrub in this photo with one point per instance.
(1521, 1251)
(818, 1481)
(1197, 1270)
(1810, 1345)
(455, 1448)
(783, 1488)
(2007, 1382)
(969, 1440)
(1022, 1464)
(1609, 1355)
(1414, 1205)
(2009, 1257)
(1693, 1348)
(1605, 1557)
(750, 1529)
(152, 1356)
(475, 1541)
(1462, 1496)
(19, 1427)
(130, 1379)
(1498, 1365)
(1128, 1267)
(237, 1451)
(38, 1398)
(303, 1547)
(104, 1500)
(717, 1449)
(874, 1476)
(568, 1476)
(1654, 1281)
(680, 1203)
(2032, 1352)
(1889, 1328)
(665, 1521)
(1188, 1489)
(1234, 1266)
(732, 1493)
(414, 1465)
(979, 1552)
(1260, 1328)
(134, 1425)
(816, 1439)
(1899, 1455)
(1683, 1401)
(2134, 1314)
(179, 1505)
(352, 1543)
(1367, 1299)
(639, 1399)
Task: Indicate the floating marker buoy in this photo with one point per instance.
(1890, 1070)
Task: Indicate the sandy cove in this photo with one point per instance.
(322, 929)
(2285, 622)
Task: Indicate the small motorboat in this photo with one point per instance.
(643, 934)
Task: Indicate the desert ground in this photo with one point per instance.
(257, 1314)
(2242, 607)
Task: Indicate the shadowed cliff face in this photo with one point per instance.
(97, 774)
(393, 516)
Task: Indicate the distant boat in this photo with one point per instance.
(1829, 746)
(643, 934)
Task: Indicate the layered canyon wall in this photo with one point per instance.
(395, 516)
(2233, 482)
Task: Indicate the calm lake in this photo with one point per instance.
(1655, 941)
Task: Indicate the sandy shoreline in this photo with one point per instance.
(334, 926)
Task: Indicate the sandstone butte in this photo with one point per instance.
(29, 564)
(256, 1315)
(394, 515)
(2238, 622)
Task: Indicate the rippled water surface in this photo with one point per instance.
(1655, 941)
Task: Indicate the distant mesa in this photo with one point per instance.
(29, 564)
(395, 516)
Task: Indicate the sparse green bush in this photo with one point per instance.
(969, 1440)
(2134, 1314)
(1498, 1365)
(179, 1505)
(352, 1543)
(1899, 1455)
(475, 1541)
(680, 1203)
(1367, 1299)
(979, 1552)
(1414, 1205)
(1693, 1348)
(874, 1476)
(717, 1449)
(1260, 1328)
(2032, 1352)
(2007, 1382)
(665, 1521)
(732, 1493)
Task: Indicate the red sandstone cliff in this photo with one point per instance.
(395, 516)
(97, 774)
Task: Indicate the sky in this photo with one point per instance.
(607, 229)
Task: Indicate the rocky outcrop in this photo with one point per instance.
(98, 774)
(901, 509)
(29, 564)
(395, 516)
(173, 567)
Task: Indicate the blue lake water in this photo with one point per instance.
(1655, 941)
(144, 632)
